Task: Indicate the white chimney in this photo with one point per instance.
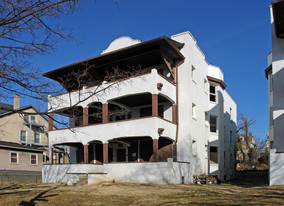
(16, 101)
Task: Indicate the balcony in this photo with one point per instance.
(147, 127)
(146, 83)
(32, 122)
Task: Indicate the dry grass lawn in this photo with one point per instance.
(139, 194)
(246, 190)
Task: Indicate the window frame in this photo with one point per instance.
(22, 130)
(213, 94)
(10, 159)
(36, 155)
(30, 118)
(39, 137)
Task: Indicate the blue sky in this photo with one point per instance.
(234, 35)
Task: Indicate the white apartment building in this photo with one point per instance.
(169, 120)
(275, 75)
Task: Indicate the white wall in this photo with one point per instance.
(276, 102)
(278, 89)
(151, 172)
(192, 91)
(276, 168)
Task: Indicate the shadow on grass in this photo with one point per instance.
(11, 187)
(39, 197)
(251, 178)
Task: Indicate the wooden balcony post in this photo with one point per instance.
(105, 113)
(155, 150)
(50, 122)
(105, 153)
(154, 105)
(85, 116)
(174, 114)
(86, 154)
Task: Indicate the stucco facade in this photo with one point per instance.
(275, 75)
(170, 120)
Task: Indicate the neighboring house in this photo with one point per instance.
(23, 137)
(177, 121)
(275, 75)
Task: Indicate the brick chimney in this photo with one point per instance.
(16, 101)
(250, 136)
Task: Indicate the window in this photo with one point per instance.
(34, 159)
(213, 154)
(14, 157)
(36, 137)
(23, 136)
(230, 113)
(26, 118)
(213, 124)
(212, 95)
(32, 118)
(193, 73)
(193, 111)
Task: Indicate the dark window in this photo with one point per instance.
(212, 93)
(213, 155)
(14, 157)
(213, 124)
(33, 159)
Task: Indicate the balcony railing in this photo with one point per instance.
(40, 143)
(127, 87)
(140, 127)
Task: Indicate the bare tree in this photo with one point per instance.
(27, 28)
(244, 125)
